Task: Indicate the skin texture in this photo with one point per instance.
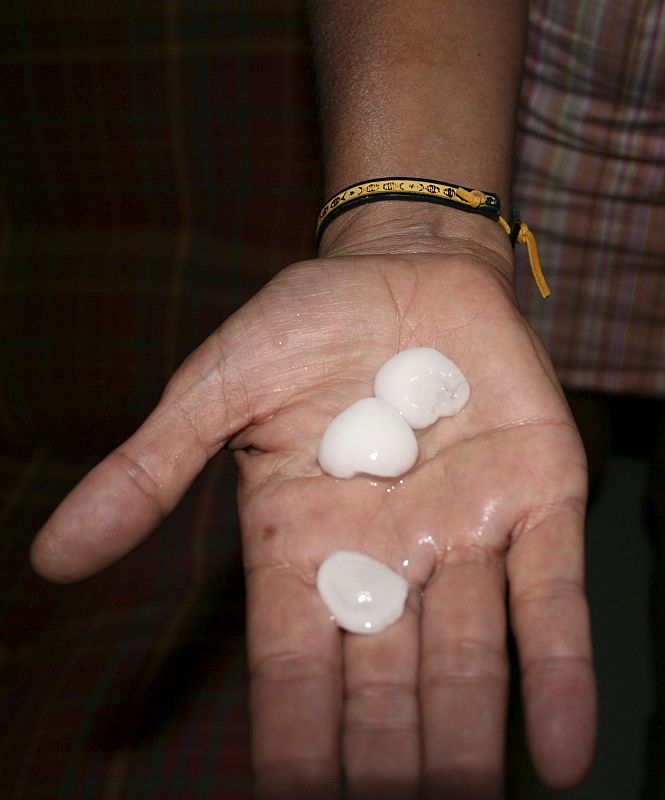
(493, 509)
(495, 504)
(419, 88)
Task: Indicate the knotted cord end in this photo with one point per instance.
(526, 237)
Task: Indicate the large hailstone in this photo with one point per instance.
(368, 437)
(362, 594)
(423, 385)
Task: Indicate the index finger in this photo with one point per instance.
(295, 668)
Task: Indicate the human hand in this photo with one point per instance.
(496, 498)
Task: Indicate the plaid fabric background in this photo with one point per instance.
(132, 683)
(591, 184)
(153, 162)
(153, 159)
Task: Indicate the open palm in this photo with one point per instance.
(495, 503)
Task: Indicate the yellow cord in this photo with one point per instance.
(434, 192)
(525, 236)
(474, 197)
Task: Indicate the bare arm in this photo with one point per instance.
(495, 504)
(424, 89)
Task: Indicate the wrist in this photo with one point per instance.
(396, 227)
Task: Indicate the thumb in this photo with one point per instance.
(129, 493)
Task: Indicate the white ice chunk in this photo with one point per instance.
(368, 437)
(423, 385)
(361, 593)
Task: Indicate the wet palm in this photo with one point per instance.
(497, 494)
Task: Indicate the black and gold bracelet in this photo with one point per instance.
(463, 198)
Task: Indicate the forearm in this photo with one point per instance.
(423, 88)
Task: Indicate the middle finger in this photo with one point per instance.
(381, 718)
(464, 676)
